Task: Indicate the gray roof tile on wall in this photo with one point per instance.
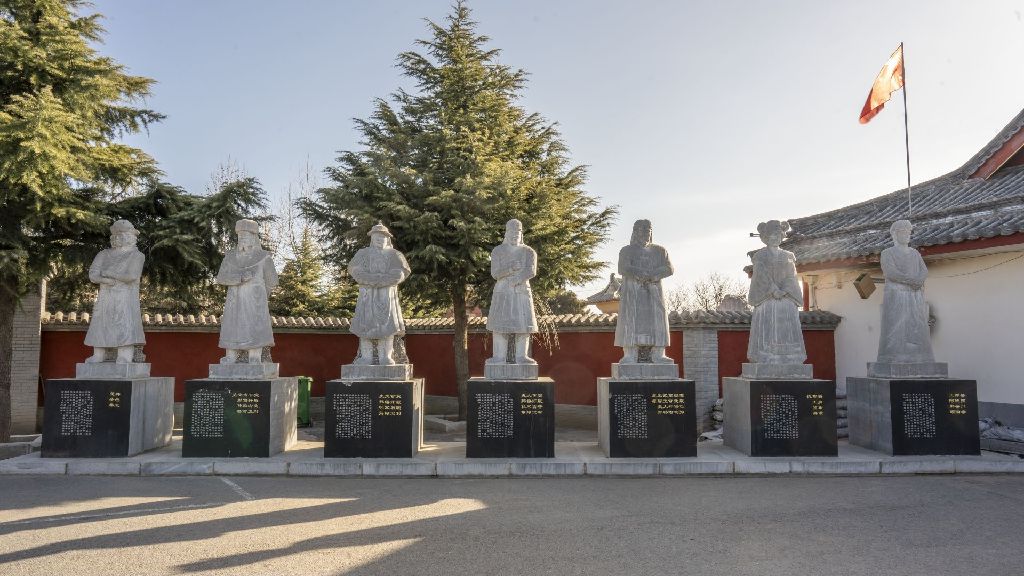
(950, 209)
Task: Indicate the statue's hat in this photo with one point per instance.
(123, 226)
(380, 228)
(247, 226)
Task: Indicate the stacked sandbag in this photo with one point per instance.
(842, 423)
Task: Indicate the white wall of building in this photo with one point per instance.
(976, 299)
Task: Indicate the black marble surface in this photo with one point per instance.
(226, 418)
(792, 418)
(651, 418)
(934, 416)
(511, 419)
(86, 418)
(370, 419)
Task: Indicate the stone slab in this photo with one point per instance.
(373, 419)
(107, 370)
(645, 371)
(780, 417)
(627, 468)
(908, 370)
(399, 469)
(510, 418)
(106, 418)
(259, 371)
(760, 371)
(487, 467)
(13, 449)
(918, 466)
(400, 372)
(761, 467)
(1007, 446)
(840, 467)
(247, 467)
(328, 468)
(647, 418)
(914, 416)
(32, 464)
(511, 371)
(104, 468)
(239, 418)
(985, 466)
(545, 468)
(177, 468)
(694, 468)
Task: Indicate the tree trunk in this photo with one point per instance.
(8, 305)
(459, 341)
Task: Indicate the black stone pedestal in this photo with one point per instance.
(87, 418)
(780, 417)
(373, 419)
(646, 418)
(239, 418)
(511, 418)
(914, 416)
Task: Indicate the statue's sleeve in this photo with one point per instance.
(891, 269)
(497, 270)
(269, 273)
(792, 283)
(355, 268)
(134, 271)
(96, 269)
(625, 263)
(665, 269)
(530, 265)
(760, 283)
(404, 265)
(228, 274)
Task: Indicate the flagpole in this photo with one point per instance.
(906, 132)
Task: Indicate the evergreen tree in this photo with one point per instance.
(62, 106)
(302, 289)
(445, 167)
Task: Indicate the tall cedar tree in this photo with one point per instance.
(444, 168)
(64, 176)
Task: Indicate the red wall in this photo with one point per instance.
(575, 365)
(732, 353)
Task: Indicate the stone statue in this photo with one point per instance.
(775, 333)
(248, 272)
(642, 324)
(378, 269)
(116, 317)
(904, 335)
(511, 318)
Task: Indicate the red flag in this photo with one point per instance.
(889, 80)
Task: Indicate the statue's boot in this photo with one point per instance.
(500, 342)
(387, 351)
(125, 354)
(523, 349)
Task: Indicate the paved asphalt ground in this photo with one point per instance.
(762, 526)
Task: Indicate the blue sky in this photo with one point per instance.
(705, 117)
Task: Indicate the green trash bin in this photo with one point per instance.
(305, 383)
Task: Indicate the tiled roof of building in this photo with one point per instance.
(949, 209)
(815, 318)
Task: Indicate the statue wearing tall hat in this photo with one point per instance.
(248, 272)
(116, 321)
(378, 269)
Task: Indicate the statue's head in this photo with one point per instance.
(380, 236)
(123, 234)
(514, 232)
(773, 232)
(900, 232)
(248, 232)
(642, 234)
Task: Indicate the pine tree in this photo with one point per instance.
(302, 289)
(62, 106)
(445, 167)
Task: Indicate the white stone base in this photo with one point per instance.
(511, 371)
(645, 371)
(761, 371)
(261, 371)
(908, 370)
(376, 372)
(105, 370)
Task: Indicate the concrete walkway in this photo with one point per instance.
(447, 459)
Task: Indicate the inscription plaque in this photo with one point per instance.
(936, 416)
(511, 418)
(86, 418)
(226, 418)
(781, 417)
(647, 418)
(373, 419)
